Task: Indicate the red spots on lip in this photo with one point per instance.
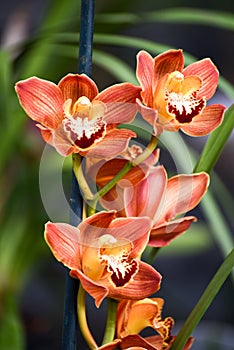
(184, 107)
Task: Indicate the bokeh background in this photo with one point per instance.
(41, 38)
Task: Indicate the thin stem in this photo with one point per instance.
(78, 171)
(81, 312)
(128, 166)
(111, 321)
(204, 302)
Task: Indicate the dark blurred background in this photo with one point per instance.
(31, 281)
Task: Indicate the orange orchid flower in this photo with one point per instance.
(174, 97)
(159, 198)
(133, 316)
(74, 117)
(102, 253)
(163, 199)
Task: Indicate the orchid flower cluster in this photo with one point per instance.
(136, 206)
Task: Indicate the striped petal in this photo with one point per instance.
(42, 101)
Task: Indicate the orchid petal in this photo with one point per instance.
(74, 86)
(139, 201)
(96, 290)
(166, 63)
(114, 143)
(147, 276)
(120, 102)
(150, 115)
(183, 193)
(134, 229)
(135, 340)
(144, 73)
(42, 101)
(207, 71)
(162, 235)
(206, 122)
(63, 240)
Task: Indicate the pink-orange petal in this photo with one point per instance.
(94, 227)
(207, 71)
(144, 73)
(41, 100)
(162, 235)
(147, 276)
(96, 290)
(135, 340)
(144, 199)
(76, 85)
(203, 124)
(62, 143)
(63, 240)
(150, 115)
(167, 62)
(135, 229)
(183, 193)
(120, 100)
(113, 144)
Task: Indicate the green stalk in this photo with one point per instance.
(111, 321)
(81, 313)
(204, 302)
(128, 166)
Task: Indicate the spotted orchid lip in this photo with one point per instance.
(184, 107)
(85, 133)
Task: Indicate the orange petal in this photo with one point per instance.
(144, 73)
(42, 101)
(147, 276)
(183, 193)
(150, 115)
(167, 62)
(97, 291)
(120, 100)
(63, 240)
(146, 197)
(162, 235)
(208, 73)
(136, 342)
(203, 124)
(76, 85)
(133, 316)
(135, 229)
(113, 144)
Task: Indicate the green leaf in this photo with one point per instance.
(215, 143)
(204, 302)
(140, 44)
(11, 330)
(179, 15)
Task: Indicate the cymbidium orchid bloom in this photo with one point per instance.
(174, 97)
(162, 200)
(102, 252)
(74, 117)
(133, 316)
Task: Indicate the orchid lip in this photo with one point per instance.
(83, 132)
(184, 107)
(114, 254)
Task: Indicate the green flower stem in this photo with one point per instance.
(150, 254)
(204, 302)
(111, 321)
(81, 312)
(77, 169)
(128, 166)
